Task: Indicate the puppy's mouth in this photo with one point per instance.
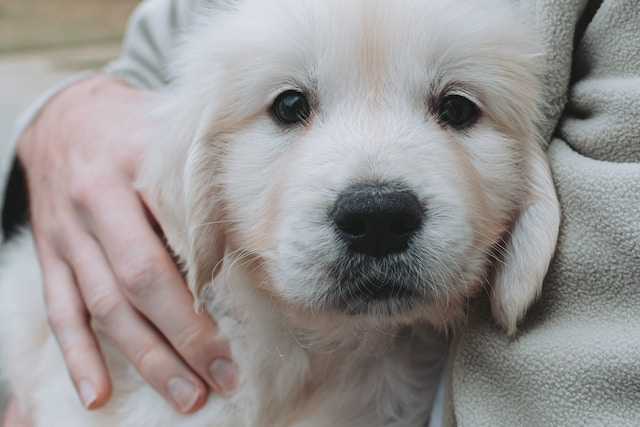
(365, 286)
(379, 299)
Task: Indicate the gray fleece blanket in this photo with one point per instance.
(576, 359)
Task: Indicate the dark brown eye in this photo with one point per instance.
(458, 112)
(291, 107)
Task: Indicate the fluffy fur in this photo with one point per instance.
(244, 203)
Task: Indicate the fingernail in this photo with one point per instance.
(223, 373)
(183, 393)
(87, 393)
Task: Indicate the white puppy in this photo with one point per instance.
(349, 171)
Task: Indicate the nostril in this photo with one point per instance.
(405, 224)
(353, 225)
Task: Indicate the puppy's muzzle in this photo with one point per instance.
(377, 219)
(376, 223)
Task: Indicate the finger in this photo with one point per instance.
(13, 416)
(153, 284)
(70, 325)
(156, 361)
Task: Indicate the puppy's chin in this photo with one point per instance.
(382, 300)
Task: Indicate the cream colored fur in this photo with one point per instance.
(243, 204)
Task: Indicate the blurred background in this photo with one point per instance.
(44, 41)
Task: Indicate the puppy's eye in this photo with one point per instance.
(291, 107)
(458, 112)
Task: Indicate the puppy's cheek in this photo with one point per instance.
(304, 252)
(277, 204)
(264, 239)
(489, 192)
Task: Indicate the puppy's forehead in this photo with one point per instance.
(368, 37)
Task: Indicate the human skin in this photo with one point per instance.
(13, 417)
(104, 264)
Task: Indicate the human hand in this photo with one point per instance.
(14, 418)
(100, 257)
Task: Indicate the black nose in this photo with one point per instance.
(377, 219)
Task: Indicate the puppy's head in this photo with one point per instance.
(376, 158)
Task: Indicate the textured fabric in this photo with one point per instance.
(153, 34)
(576, 360)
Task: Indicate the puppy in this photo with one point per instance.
(337, 179)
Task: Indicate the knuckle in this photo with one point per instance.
(191, 337)
(138, 277)
(76, 355)
(58, 319)
(82, 193)
(103, 307)
(51, 230)
(147, 357)
(86, 191)
(61, 317)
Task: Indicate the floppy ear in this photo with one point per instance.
(529, 249)
(204, 226)
(179, 184)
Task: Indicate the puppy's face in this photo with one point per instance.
(370, 155)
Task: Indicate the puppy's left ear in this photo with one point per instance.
(529, 249)
(205, 235)
(179, 178)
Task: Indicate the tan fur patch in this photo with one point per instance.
(373, 53)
